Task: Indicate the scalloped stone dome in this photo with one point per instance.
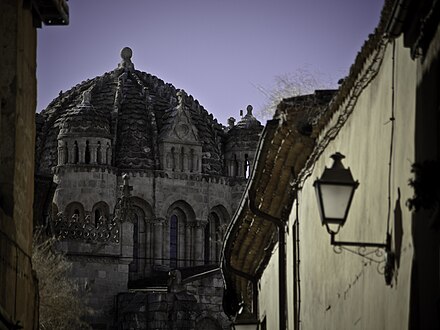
(134, 109)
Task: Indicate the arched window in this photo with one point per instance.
(74, 211)
(87, 155)
(75, 153)
(99, 153)
(173, 241)
(133, 267)
(180, 245)
(213, 239)
(141, 239)
(247, 166)
(97, 217)
(182, 159)
(100, 213)
(108, 152)
(218, 218)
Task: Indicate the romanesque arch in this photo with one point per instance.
(141, 219)
(218, 219)
(75, 211)
(180, 231)
(100, 213)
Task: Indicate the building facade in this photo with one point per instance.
(385, 120)
(181, 173)
(18, 283)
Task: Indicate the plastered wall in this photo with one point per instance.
(346, 291)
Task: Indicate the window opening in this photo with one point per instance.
(75, 215)
(108, 154)
(207, 242)
(66, 153)
(75, 153)
(247, 167)
(134, 265)
(173, 241)
(87, 155)
(97, 218)
(182, 159)
(216, 237)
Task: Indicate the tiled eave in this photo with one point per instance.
(250, 239)
(50, 12)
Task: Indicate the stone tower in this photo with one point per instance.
(181, 173)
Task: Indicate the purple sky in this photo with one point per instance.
(216, 50)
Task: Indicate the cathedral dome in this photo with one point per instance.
(134, 110)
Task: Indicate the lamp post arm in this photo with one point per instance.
(386, 246)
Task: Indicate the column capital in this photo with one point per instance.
(157, 221)
(198, 223)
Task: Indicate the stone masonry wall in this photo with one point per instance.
(18, 297)
(196, 306)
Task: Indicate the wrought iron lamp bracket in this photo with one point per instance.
(379, 253)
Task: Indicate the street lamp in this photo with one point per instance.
(246, 325)
(334, 192)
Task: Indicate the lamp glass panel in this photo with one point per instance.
(335, 199)
(248, 326)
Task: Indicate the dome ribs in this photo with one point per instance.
(132, 108)
(134, 145)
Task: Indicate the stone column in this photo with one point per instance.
(185, 162)
(103, 154)
(231, 168)
(240, 171)
(127, 242)
(158, 241)
(109, 155)
(61, 153)
(93, 153)
(148, 245)
(198, 250)
(71, 153)
(82, 152)
(187, 245)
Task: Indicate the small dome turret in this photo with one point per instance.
(249, 121)
(241, 143)
(83, 120)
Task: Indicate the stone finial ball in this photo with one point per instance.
(249, 109)
(126, 53)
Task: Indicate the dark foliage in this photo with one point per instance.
(426, 184)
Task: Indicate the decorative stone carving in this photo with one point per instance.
(87, 96)
(126, 64)
(181, 130)
(83, 229)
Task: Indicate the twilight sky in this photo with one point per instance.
(217, 50)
